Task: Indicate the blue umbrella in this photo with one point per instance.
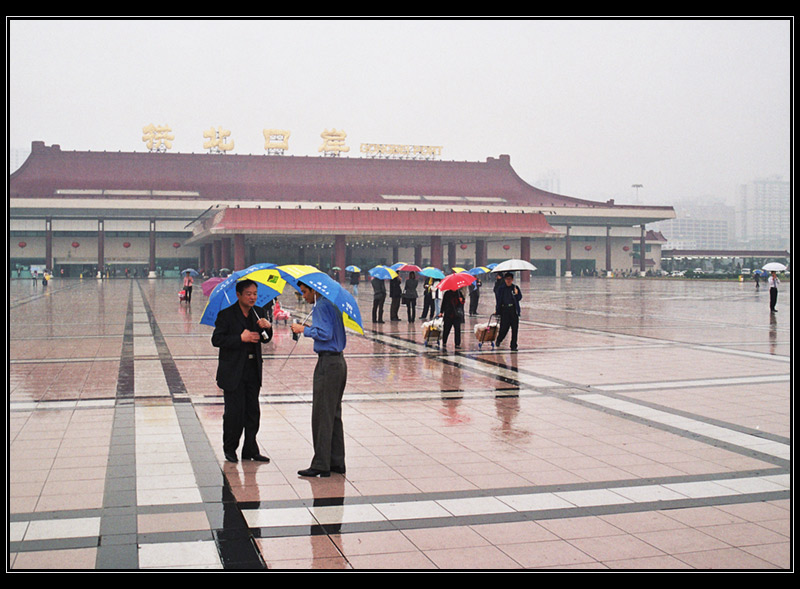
(431, 272)
(191, 271)
(328, 288)
(478, 270)
(383, 273)
(352, 269)
(270, 285)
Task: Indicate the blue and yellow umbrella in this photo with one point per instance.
(383, 272)
(328, 288)
(270, 285)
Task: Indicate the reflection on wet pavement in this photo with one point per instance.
(641, 424)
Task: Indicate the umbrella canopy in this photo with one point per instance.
(431, 272)
(209, 285)
(191, 271)
(402, 267)
(513, 266)
(270, 285)
(458, 269)
(352, 268)
(383, 273)
(328, 288)
(456, 281)
(773, 267)
(478, 270)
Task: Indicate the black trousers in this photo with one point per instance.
(455, 325)
(773, 298)
(427, 306)
(330, 379)
(377, 309)
(474, 298)
(394, 309)
(508, 320)
(411, 306)
(242, 413)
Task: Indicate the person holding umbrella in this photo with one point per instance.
(330, 379)
(239, 331)
(453, 315)
(188, 282)
(396, 294)
(773, 282)
(507, 298)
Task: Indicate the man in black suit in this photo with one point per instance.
(238, 333)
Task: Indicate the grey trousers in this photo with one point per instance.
(330, 378)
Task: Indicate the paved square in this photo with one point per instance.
(642, 424)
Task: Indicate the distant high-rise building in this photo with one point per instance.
(764, 214)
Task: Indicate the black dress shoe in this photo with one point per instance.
(231, 457)
(313, 472)
(257, 458)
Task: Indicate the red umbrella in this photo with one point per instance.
(455, 281)
(406, 268)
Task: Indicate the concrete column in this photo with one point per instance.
(481, 255)
(217, 255)
(418, 255)
(225, 255)
(239, 262)
(608, 250)
(437, 258)
(48, 243)
(100, 248)
(525, 254)
(152, 273)
(340, 253)
(642, 253)
(451, 254)
(568, 270)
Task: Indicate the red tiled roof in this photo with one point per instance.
(280, 178)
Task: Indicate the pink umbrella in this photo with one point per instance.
(406, 268)
(209, 284)
(455, 281)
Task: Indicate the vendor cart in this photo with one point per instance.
(487, 332)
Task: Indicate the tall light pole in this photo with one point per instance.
(637, 187)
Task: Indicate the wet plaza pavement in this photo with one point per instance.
(643, 424)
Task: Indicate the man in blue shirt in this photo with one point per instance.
(330, 378)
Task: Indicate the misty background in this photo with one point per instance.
(687, 109)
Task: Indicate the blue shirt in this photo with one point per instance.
(327, 327)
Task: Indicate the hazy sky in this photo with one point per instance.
(684, 108)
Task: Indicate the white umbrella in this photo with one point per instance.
(774, 267)
(513, 266)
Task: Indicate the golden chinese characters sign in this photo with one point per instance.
(157, 137)
(400, 151)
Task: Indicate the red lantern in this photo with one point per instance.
(587, 248)
(625, 248)
(176, 245)
(506, 247)
(75, 244)
(126, 245)
(548, 247)
(463, 246)
(22, 244)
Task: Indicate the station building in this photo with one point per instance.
(96, 213)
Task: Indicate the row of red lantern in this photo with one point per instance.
(75, 244)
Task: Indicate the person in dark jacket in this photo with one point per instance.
(378, 298)
(239, 332)
(427, 298)
(410, 296)
(507, 299)
(396, 294)
(453, 315)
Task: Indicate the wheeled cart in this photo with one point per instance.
(487, 332)
(432, 331)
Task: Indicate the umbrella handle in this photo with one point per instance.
(295, 342)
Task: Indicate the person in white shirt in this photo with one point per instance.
(773, 282)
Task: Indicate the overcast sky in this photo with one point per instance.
(687, 109)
